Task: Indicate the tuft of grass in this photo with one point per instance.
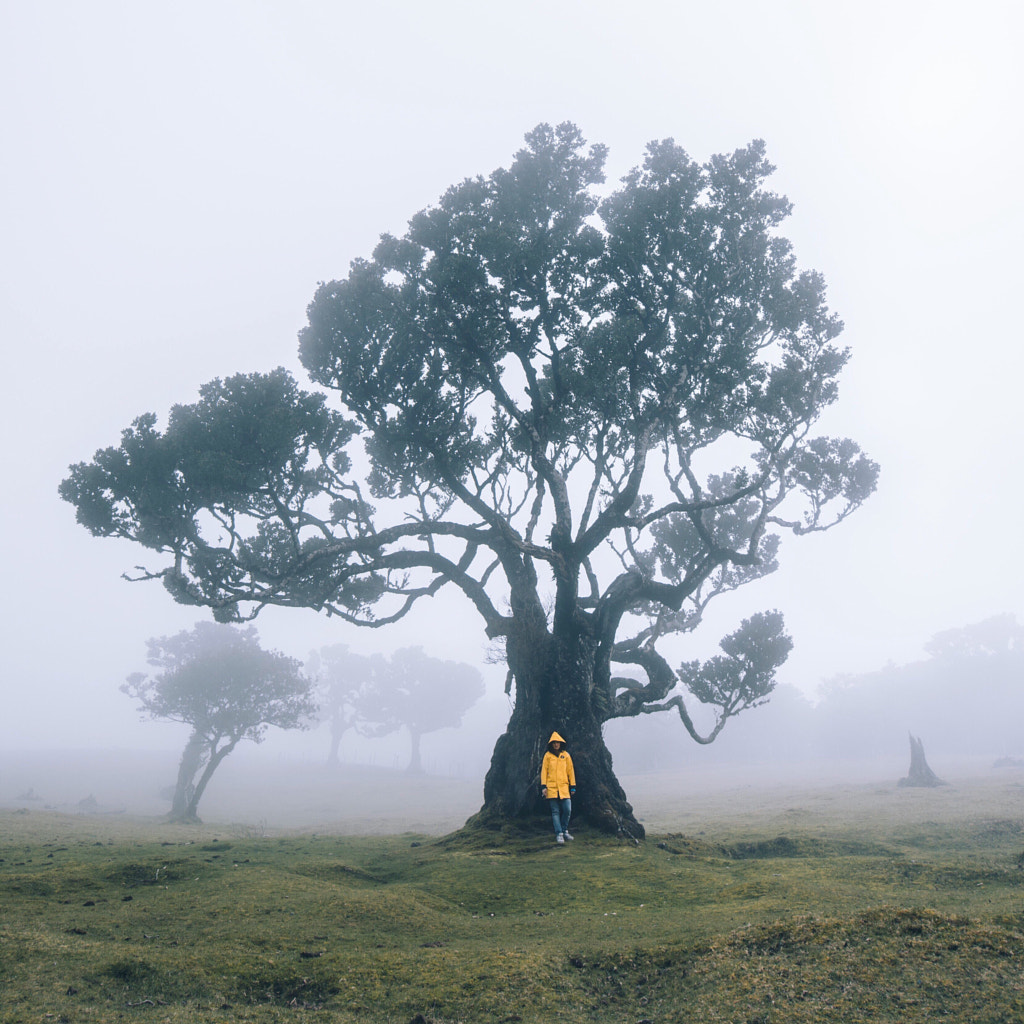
(884, 964)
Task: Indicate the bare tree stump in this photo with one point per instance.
(920, 774)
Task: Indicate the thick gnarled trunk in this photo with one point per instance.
(553, 694)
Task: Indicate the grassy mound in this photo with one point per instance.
(139, 920)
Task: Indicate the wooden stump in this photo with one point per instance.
(920, 774)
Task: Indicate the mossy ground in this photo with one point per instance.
(121, 919)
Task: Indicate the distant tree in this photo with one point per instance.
(998, 635)
(218, 680)
(377, 695)
(948, 696)
(347, 689)
(425, 694)
(598, 402)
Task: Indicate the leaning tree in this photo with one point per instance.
(590, 412)
(219, 681)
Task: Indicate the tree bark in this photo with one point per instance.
(554, 690)
(200, 755)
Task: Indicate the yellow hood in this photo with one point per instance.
(555, 738)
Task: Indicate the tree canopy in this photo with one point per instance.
(346, 685)
(218, 680)
(423, 694)
(377, 695)
(998, 635)
(590, 411)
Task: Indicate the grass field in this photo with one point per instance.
(837, 903)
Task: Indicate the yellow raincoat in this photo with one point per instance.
(556, 773)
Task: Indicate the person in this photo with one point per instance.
(558, 784)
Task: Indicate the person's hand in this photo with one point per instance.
(544, 791)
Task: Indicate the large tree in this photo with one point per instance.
(218, 680)
(590, 415)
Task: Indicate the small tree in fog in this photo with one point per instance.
(218, 680)
(425, 694)
(377, 696)
(346, 685)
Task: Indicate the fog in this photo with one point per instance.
(851, 743)
(176, 182)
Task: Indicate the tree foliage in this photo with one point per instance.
(377, 695)
(995, 636)
(424, 694)
(590, 411)
(346, 685)
(218, 680)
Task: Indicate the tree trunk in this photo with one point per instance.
(188, 767)
(337, 731)
(216, 756)
(920, 773)
(554, 684)
(415, 763)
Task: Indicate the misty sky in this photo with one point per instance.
(176, 179)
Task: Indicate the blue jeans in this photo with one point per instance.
(560, 812)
